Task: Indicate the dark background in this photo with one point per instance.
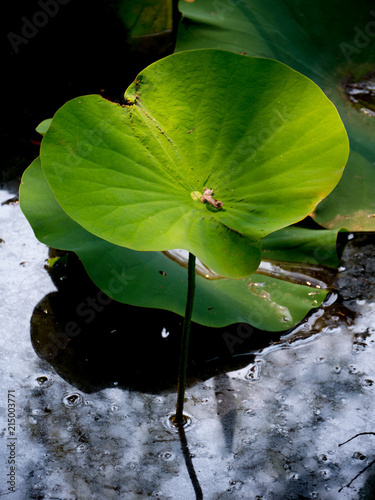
(82, 49)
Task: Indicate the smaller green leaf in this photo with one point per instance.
(146, 17)
(149, 23)
(43, 126)
(304, 245)
(52, 261)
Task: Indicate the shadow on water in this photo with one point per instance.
(94, 342)
(368, 491)
(227, 408)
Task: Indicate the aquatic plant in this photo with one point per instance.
(211, 152)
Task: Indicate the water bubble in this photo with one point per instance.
(353, 369)
(81, 447)
(367, 382)
(320, 359)
(250, 440)
(359, 347)
(251, 412)
(294, 476)
(167, 455)
(336, 369)
(358, 456)
(72, 399)
(254, 371)
(325, 473)
(41, 380)
(168, 422)
(323, 458)
(114, 408)
(44, 380)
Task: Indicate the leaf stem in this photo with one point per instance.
(179, 417)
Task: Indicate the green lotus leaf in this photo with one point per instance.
(303, 245)
(149, 23)
(145, 17)
(333, 43)
(151, 279)
(264, 138)
(293, 244)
